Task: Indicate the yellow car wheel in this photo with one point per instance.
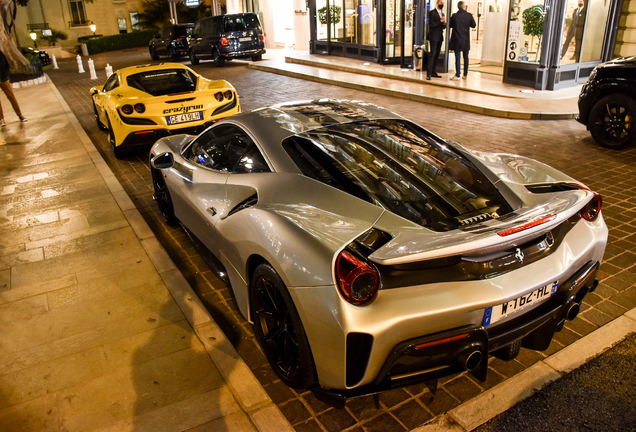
(117, 150)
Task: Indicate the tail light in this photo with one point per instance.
(358, 281)
(182, 38)
(140, 108)
(218, 96)
(127, 109)
(262, 38)
(593, 208)
(228, 94)
(224, 41)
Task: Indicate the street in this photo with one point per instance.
(564, 144)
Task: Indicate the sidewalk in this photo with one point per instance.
(482, 93)
(100, 331)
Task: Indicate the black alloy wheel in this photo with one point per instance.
(193, 58)
(117, 150)
(218, 60)
(612, 121)
(279, 331)
(153, 53)
(162, 196)
(100, 125)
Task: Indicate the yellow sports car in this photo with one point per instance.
(140, 104)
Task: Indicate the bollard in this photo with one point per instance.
(91, 69)
(80, 66)
(109, 70)
(54, 62)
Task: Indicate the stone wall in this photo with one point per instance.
(626, 37)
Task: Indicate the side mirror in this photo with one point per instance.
(162, 161)
(96, 90)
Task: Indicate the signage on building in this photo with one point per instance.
(192, 3)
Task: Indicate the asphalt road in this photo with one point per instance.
(564, 144)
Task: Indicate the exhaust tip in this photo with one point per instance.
(573, 311)
(472, 361)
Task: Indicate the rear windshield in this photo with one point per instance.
(398, 166)
(181, 31)
(241, 22)
(163, 82)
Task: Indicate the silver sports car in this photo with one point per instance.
(369, 253)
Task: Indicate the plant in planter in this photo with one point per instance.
(533, 19)
(55, 36)
(335, 15)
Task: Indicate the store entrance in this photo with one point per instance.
(399, 16)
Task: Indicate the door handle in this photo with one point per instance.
(211, 210)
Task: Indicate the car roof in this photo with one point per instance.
(125, 72)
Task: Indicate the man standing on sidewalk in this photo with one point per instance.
(436, 25)
(461, 22)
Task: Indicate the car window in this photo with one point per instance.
(181, 31)
(241, 22)
(400, 167)
(196, 30)
(111, 83)
(164, 81)
(227, 148)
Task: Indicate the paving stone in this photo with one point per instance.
(440, 403)
(336, 420)
(411, 414)
(294, 411)
(462, 388)
(382, 423)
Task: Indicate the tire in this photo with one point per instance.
(100, 125)
(172, 55)
(279, 331)
(193, 58)
(218, 60)
(117, 150)
(612, 121)
(153, 53)
(162, 196)
(257, 57)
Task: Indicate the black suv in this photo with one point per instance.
(172, 41)
(226, 37)
(607, 103)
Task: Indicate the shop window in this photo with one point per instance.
(525, 31)
(332, 21)
(78, 14)
(134, 21)
(367, 22)
(393, 32)
(597, 16)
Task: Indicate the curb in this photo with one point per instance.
(446, 103)
(241, 381)
(505, 395)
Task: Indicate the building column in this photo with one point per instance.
(626, 37)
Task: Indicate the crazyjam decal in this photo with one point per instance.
(182, 109)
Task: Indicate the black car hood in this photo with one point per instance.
(620, 62)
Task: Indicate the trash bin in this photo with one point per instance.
(418, 56)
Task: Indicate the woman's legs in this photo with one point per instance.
(8, 90)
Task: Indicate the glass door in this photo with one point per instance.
(393, 31)
(408, 24)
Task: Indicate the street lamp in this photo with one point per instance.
(34, 36)
(93, 27)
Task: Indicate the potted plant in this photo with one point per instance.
(533, 19)
(335, 14)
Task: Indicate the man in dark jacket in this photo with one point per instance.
(575, 30)
(436, 26)
(461, 22)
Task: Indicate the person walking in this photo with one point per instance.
(575, 30)
(436, 25)
(5, 74)
(461, 22)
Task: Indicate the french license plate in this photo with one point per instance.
(183, 118)
(499, 312)
(245, 39)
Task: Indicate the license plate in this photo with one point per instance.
(183, 118)
(245, 39)
(499, 312)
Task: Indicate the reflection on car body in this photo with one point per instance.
(369, 253)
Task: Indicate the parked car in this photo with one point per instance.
(227, 37)
(140, 104)
(44, 57)
(369, 253)
(171, 41)
(607, 103)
